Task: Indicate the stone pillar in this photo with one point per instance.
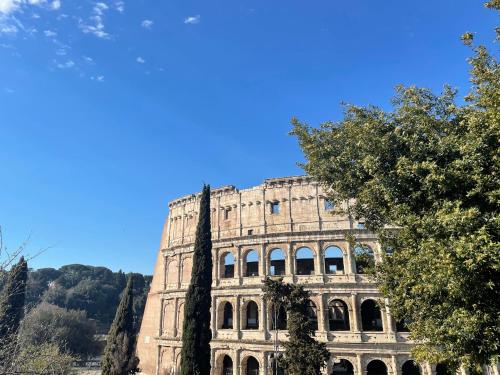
(214, 316)
(174, 326)
(291, 255)
(236, 363)
(238, 264)
(288, 259)
(394, 365)
(352, 261)
(216, 261)
(390, 325)
(322, 315)
(179, 270)
(263, 317)
(263, 261)
(321, 259)
(356, 327)
(237, 317)
(359, 364)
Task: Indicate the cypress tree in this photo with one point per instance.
(119, 354)
(196, 333)
(12, 309)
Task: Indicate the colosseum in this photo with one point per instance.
(285, 227)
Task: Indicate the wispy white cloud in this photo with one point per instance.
(140, 60)
(8, 29)
(88, 60)
(97, 78)
(65, 65)
(50, 33)
(192, 19)
(147, 24)
(56, 4)
(8, 6)
(120, 6)
(97, 22)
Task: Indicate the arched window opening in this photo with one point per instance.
(305, 261)
(338, 316)
(278, 321)
(376, 367)
(227, 366)
(443, 369)
(252, 316)
(227, 322)
(371, 316)
(228, 271)
(334, 260)
(252, 366)
(252, 263)
(342, 367)
(277, 267)
(276, 368)
(365, 259)
(312, 314)
(411, 368)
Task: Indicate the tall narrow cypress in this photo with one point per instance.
(119, 354)
(11, 311)
(196, 333)
(12, 300)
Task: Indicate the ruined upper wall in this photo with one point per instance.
(248, 212)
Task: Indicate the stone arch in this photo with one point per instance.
(250, 365)
(371, 316)
(410, 367)
(312, 314)
(376, 367)
(172, 272)
(277, 258)
(227, 264)
(224, 364)
(338, 315)
(304, 261)
(187, 265)
(168, 318)
(250, 315)
(251, 263)
(342, 367)
(334, 259)
(225, 315)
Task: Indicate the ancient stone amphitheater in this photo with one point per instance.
(284, 227)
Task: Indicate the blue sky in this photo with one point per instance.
(109, 109)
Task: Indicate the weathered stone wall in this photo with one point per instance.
(242, 220)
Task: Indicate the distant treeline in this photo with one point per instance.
(95, 290)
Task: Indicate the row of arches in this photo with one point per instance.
(338, 316)
(250, 366)
(333, 259)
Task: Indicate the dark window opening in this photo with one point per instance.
(338, 316)
(401, 326)
(376, 367)
(277, 267)
(278, 321)
(250, 232)
(371, 316)
(343, 367)
(305, 261)
(312, 315)
(275, 208)
(227, 322)
(228, 266)
(365, 259)
(227, 211)
(252, 263)
(252, 366)
(227, 366)
(334, 260)
(411, 368)
(252, 316)
(361, 225)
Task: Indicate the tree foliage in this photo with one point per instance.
(430, 167)
(43, 359)
(70, 330)
(119, 355)
(303, 354)
(12, 309)
(196, 333)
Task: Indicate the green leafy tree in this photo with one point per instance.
(196, 334)
(303, 354)
(11, 309)
(431, 168)
(43, 359)
(71, 330)
(119, 354)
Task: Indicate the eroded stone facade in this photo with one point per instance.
(283, 213)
